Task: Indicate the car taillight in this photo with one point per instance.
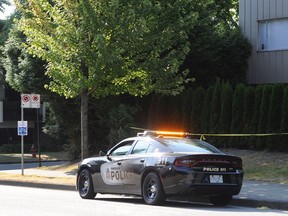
(184, 162)
(237, 163)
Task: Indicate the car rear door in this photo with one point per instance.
(134, 166)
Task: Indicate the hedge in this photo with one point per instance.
(223, 109)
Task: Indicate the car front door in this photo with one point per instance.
(112, 172)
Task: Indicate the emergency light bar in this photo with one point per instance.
(162, 133)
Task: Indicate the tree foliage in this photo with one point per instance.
(24, 73)
(102, 48)
(109, 47)
(2, 5)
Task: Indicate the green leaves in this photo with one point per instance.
(126, 46)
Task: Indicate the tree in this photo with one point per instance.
(215, 108)
(206, 112)
(197, 107)
(284, 126)
(237, 112)
(249, 99)
(24, 73)
(275, 116)
(219, 50)
(2, 4)
(102, 48)
(263, 117)
(226, 108)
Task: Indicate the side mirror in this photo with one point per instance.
(102, 153)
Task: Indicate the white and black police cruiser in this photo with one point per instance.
(156, 165)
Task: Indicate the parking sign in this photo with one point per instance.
(22, 128)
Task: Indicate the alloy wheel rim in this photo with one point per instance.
(85, 185)
(151, 189)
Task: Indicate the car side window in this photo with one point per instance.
(123, 149)
(141, 148)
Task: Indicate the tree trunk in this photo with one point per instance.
(84, 125)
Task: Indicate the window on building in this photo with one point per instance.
(273, 35)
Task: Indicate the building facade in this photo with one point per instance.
(10, 114)
(265, 24)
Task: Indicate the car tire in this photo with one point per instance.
(221, 200)
(85, 185)
(152, 190)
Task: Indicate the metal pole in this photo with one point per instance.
(39, 150)
(22, 143)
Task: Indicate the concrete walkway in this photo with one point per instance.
(263, 194)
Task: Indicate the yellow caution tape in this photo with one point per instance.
(202, 135)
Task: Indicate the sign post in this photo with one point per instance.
(27, 101)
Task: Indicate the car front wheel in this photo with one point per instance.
(152, 190)
(85, 185)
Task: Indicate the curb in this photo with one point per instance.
(38, 185)
(235, 201)
(28, 161)
(260, 203)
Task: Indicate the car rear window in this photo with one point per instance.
(189, 145)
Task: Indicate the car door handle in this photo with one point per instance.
(142, 160)
(119, 163)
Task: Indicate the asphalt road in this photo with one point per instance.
(17, 166)
(24, 201)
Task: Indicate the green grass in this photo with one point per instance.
(263, 165)
(258, 165)
(267, 173)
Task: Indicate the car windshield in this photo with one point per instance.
(189, 145)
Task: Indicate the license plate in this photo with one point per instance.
(216, 179)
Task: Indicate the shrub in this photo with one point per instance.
(283, 146)
(264, 111)
(237, 114)
(215, 108)
(205, 115)
(197, 103)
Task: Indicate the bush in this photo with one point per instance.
(197, 110)
(216, 108)
(226, 108)
(264, 111)
(187, 98)
(274, 116)
(73, 146)
(283, 146)
(15, 148)
(237, 114)
(247, 114)
(205, 115)
(246, 110)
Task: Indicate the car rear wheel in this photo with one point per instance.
(85, 185)
(152, 190)
(221, 200)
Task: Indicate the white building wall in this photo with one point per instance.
(264, 66)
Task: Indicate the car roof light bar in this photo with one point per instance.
(162, 133)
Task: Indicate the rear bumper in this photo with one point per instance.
(193, 183)
(210, 190)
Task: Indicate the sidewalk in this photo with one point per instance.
(253, 193)
(263, 194)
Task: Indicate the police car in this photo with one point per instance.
(156, 165)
